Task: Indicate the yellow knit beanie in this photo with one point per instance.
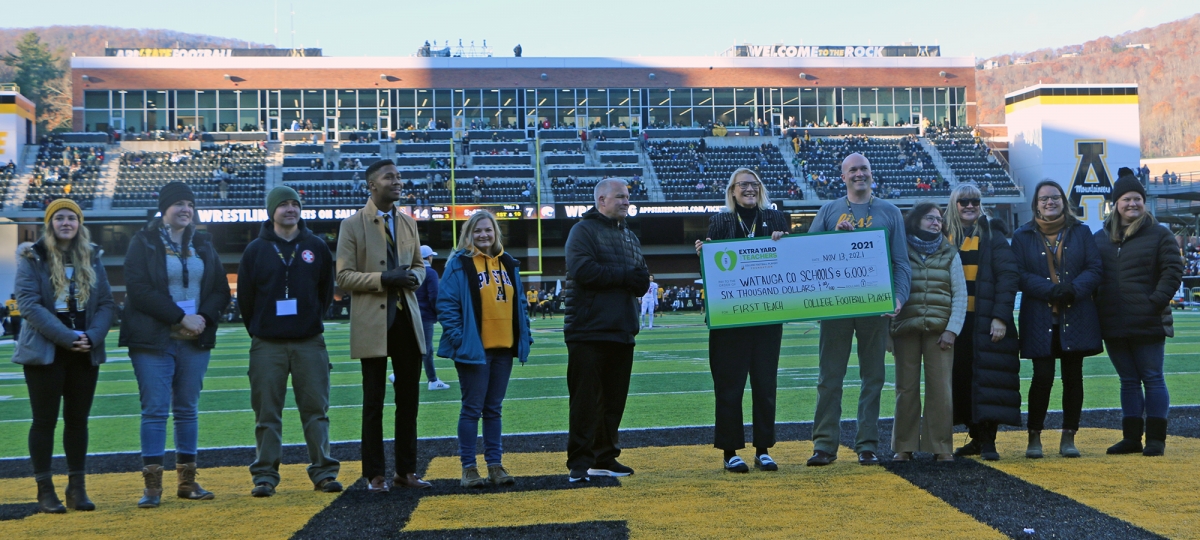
(59, 204)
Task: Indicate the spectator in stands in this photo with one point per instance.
(924, 332)
(735, 353)
(484, 326)
(63, 291)
(1060, 268)
(987, 387)
(175, 291)
(1134, 300)
(381, 275)
(282, 312)
(295, 125)
(858, 209)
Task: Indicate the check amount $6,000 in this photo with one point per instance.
(800, 277)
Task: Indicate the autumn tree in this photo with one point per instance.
(36, 68)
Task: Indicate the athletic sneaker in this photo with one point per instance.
(736, 464)
(437, 384)
(612, 468)
(579, 475)
(764, 463)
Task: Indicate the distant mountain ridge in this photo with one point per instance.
(1167, 73)
(91, 40)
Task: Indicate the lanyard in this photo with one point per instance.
(287, 265)
(850, 209)
(753, 225)
(177, 250)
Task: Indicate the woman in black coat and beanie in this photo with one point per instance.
(1142, 270)
(735, 353)
(1060, 269)
(987, 368)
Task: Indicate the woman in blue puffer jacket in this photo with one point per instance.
(484, 326)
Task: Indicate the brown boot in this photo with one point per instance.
(152, 495)
(188, 488)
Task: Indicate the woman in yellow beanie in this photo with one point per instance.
(64, 297)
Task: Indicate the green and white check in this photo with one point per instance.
(803, 277)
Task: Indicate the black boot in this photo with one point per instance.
(77, 498)
(1156, 436)
(1132, 442)
(48, 502)
(988, 450)
(974, 446)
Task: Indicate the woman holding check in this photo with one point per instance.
(734, 353)
(175, 292)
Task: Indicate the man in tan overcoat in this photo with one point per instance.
(379, 262)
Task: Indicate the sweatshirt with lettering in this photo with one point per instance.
(876, 213)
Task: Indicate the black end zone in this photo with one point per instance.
(17, 511)
(1011, 505)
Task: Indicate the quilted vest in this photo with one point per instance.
(929, 301)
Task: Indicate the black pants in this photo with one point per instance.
(964, 373)
(402, 347)
(598, 381)
(70, 380)
(734, 353)
(1043, 381)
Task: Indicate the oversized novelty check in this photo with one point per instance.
(825, 275)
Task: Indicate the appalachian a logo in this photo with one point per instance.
(1091, 181)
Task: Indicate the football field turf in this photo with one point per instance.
(679, 490)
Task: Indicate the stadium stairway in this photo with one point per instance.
(654, 191)
(108, 178)
(939, 161)
(15, 197)
(789, 154)
(274, 171)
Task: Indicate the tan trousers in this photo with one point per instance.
(934, 432)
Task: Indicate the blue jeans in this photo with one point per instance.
(1140, 363)
(429, 348)
(169, 382)
(483, 388)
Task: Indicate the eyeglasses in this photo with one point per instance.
(934, 219)
(1049, 198)
(968, 202)
(747, 185)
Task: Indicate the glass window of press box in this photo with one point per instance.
(370, 110)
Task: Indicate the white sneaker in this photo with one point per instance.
(437, 384)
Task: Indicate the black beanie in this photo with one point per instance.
(1124, 185)
(172, 193)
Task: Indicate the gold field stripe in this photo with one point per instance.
(1156, 494)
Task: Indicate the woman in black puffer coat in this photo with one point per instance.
(1142, 270)
(987, 368)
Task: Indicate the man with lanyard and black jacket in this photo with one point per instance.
(285, 284)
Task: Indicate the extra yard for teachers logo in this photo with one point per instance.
(727, 260)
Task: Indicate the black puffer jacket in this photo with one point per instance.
(605, 276)
(1141, 274)
(995, 370)
(149, 310)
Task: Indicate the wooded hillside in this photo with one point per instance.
(1168, 75)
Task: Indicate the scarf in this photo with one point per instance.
(1051, 228)
(925, 242)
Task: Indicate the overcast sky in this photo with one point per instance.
(607, 28)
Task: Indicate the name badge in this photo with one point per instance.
(188, 306)
(285, 307)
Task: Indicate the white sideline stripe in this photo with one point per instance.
(538, 398)
(452, 437)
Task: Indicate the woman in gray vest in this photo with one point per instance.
(924, 332)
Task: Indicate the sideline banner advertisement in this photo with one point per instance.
(802, 277)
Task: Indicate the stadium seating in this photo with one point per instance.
(686, 172)
(900, 166)
(65, 171)
(570, 189)
(225, 175)
(971, 161)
